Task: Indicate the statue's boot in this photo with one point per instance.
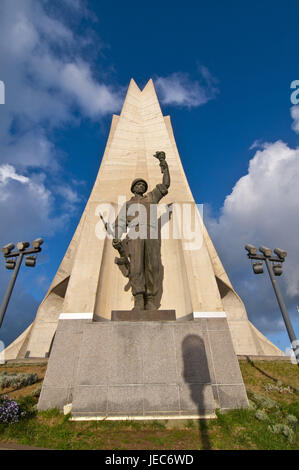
(138, 302)
(149, 303)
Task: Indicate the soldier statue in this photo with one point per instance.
(140, 259)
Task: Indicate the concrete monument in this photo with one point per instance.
(195, 282)
(111, 364)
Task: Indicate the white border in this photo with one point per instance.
(209, 315)
(76, 316)
(142, 417)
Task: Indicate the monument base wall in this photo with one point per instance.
(143, 370)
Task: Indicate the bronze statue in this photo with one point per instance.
(140, 251)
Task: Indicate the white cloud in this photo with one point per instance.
(94, 99)
(29, 149)
(26, 205)
(68, 194)
(8, 172)
(46, 80)
(256, 144)
(295, 117)
(262, 209)
(179, 90)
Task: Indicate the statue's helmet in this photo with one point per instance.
(137, 180)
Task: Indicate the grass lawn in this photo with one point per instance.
(272, 387)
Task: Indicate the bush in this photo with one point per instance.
(36, 392)
(264, 402)
(27, 405)
(282, 429)
(10, 411)
(261, 415)
(292, 420)
(17, 380)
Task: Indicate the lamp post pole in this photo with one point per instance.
(10, 287)
(19, 254)
(280, 258)
(284, 311)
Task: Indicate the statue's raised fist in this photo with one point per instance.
(160, 155)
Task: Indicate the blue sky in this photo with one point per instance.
(222, 71)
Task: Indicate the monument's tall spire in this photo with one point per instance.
(88, 283)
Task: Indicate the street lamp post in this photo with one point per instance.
(275, 271)
(23, 249)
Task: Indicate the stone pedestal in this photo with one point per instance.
(143, 369)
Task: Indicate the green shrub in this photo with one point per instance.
(292, 420)
(264, 402)
(27, 405)
(282, 429)
(17, 380)
(36, 392)
(261, 415)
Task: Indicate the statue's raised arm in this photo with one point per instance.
(164, 168)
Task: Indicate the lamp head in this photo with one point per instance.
(258, 267)
(277, 269)
(10, 264)
(30, 261)
(280, 253)
(22, 245)
(252, 250)
(8, 248)
(37, 242)
(265, 250)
